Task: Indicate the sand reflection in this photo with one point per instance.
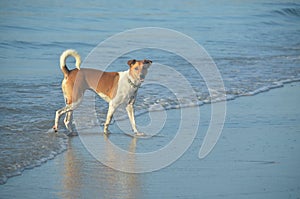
(125, 185)
(83, 175)
(72, 173)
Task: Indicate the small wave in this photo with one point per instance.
(66, 44)
(274, 85)
(17, 44)
(21, 28)
(217, 97)
(168, 104)
(11, 110)
(271, 22)
(48, 147)
(289, 12)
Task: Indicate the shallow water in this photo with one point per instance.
(255, 45)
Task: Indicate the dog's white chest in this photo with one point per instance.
(125, 93)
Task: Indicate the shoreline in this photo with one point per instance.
(71, 163)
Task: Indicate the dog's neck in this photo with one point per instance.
(133, 83)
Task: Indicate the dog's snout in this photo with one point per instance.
(147, 61)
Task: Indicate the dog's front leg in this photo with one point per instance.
(110, 112)
(130, 112)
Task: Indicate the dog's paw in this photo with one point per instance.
(139, 134)
(55, 128)
(107, 132)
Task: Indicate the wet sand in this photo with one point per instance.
(257, 156)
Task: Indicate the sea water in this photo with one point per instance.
(255, 45)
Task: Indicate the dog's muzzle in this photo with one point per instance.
(147, 61)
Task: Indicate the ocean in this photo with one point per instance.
(254, 44)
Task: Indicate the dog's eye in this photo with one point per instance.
(136, 68)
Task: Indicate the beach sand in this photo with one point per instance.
(257, 156)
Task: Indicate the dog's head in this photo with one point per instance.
(139, 69)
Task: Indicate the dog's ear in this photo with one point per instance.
(131, 62)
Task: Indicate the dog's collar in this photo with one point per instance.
(132, 84)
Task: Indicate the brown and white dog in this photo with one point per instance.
(115, 88)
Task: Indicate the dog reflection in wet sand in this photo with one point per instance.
(116, 88)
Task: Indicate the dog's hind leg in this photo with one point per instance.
(58, 113)
(68, 109)
(68, 119)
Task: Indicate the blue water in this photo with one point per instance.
(255, 45)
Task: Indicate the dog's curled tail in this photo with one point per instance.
(64, 56)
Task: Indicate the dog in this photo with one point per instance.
(115, 88)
